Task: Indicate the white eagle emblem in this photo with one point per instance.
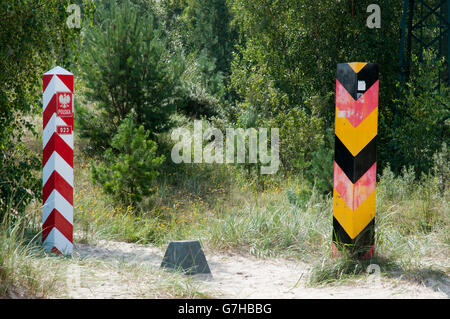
(64, 100)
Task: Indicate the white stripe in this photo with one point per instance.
(58, 240)
(57, 163)
(56, 200)
(48, 131)
(48, 93)
(50, 128)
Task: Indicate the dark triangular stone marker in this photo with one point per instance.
(186, 256)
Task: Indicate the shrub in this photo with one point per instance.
(300, 136)
(129, 167)
(442, 168)
(422, 117)
(200, 94)
(399, 187)
(320, 170)
(18, 181)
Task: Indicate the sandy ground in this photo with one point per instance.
(233, 276)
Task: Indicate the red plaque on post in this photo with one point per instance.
(64, 105)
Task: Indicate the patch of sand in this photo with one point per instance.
(237, 276)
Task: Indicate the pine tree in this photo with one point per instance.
(128, 70)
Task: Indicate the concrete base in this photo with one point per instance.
(186, 256)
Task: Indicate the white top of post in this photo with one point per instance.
(58, 70)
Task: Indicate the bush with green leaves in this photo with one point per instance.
(129, 168)
(19, 183)
(205, 30)
(396, 188)
(319, 171)
(300, 136)
(423, 114)
(201, 94)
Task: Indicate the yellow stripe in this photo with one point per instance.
(357, 66)
(355, 221)
(355, 139)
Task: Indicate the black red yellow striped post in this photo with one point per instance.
(354, 183)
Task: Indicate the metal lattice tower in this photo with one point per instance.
(425, 25)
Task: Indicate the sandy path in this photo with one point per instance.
(236, 276)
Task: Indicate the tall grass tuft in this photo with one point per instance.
(280, 222)
(25, 270)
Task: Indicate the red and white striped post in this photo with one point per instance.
(57, 163)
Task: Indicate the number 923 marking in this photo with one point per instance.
(64, 129)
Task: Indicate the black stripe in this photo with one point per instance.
(355, 166)
(349, 79)
(368, 74)
(362, 242)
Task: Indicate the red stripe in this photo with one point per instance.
(335, 251)
(367, 255)
(355, 194)
(49, 110)
(57, 144)
(45, 81)
(67, 80)
(55, 219)
(365, 186)
(356, 111)
(56, 181)
(370, 253)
